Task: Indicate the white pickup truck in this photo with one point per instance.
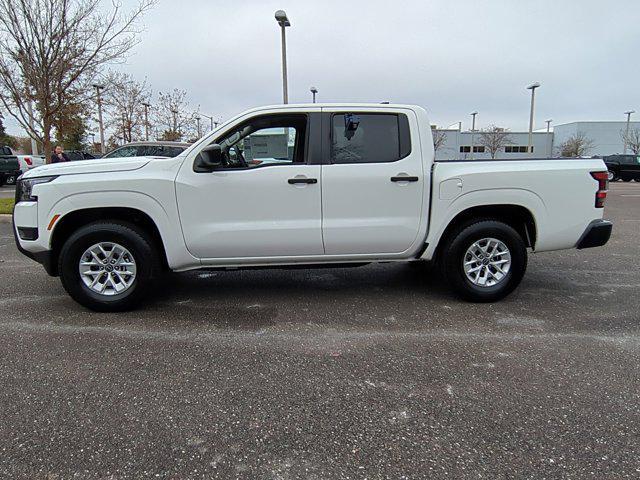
(321, 184)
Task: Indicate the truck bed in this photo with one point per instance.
(560, 193)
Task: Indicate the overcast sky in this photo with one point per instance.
(451, 57)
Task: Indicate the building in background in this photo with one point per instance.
(457, 146)
(606, 137)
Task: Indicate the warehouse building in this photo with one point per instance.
(605, 136)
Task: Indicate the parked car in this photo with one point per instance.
(25, 162)
(623, 167)
(361, 186)
(9, 166)
(74, 155)
(148, 149)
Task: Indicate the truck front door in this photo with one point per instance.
(372, 181)
(264, 200)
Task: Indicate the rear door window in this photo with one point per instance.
(369, 138)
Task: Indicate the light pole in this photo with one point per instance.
(99, 87)
(531, 87)
(175, 121)
(283, 21)
(313, 91)
(34, 144)
(549, 142)
(124, 129)
(210, 117)
(197, 117)
(626, 135)
(473, 130)
(146, 120)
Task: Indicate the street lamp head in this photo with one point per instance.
(629, 112)
(313, 90)
(98, 86)
(473, 113)
(146, 104)
(281, 18)
(533, 86)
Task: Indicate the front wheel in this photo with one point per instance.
(108, 266)
(484, 261)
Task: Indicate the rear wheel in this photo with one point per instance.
(11, 179)
(484, 261)
(612, 176)
(107, 266)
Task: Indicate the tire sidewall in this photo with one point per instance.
(467, 237)
(90, 235)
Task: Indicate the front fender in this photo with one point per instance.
(166, 222)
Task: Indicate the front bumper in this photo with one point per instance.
(44, 258)
(597, 234)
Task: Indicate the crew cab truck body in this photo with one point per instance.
(305, 185)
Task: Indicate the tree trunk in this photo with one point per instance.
(46, 140)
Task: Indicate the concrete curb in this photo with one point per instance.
(5, 218)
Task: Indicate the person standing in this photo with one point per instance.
(59, 155)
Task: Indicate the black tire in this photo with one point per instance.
(135, 240)
(453, 257)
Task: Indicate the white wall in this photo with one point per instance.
(542, 145)
(605, 135)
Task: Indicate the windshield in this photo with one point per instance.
(145, 150)
(126, 151)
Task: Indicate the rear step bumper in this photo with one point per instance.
(597, 234)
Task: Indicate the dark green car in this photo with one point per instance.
(9, 165)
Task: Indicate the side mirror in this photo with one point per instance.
(208, 159)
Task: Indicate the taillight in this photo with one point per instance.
(603, 187)
(28, 160)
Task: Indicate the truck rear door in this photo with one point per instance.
(372, 181)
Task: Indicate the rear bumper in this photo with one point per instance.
(597, 234)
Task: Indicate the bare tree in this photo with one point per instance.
(632, 140)
(577, 145)
(494, 139)
(439, 138)
(52, 50)
(173, 115)
(123, 99)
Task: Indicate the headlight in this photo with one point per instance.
(25, 186)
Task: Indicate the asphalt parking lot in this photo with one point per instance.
(372, 372)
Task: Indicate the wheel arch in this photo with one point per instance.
(75, 219)
(518, 217)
